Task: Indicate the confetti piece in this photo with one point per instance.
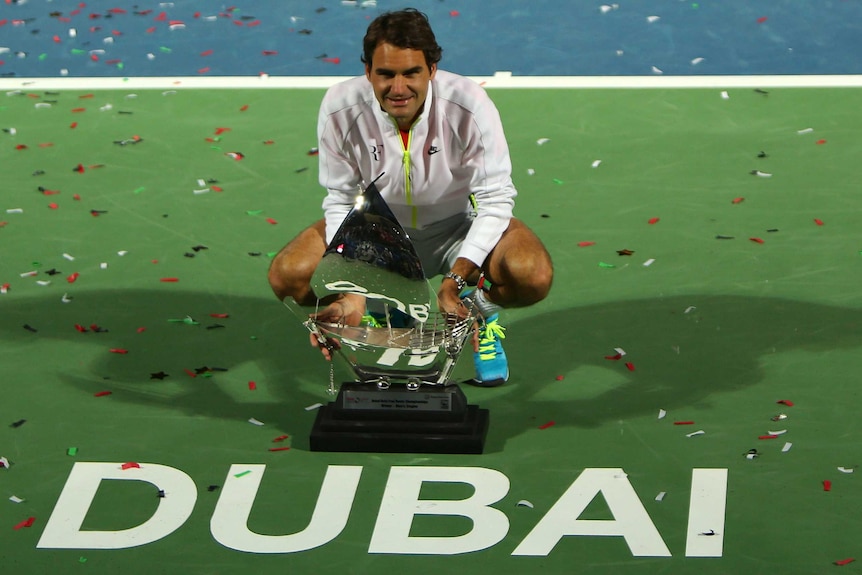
(693, 433)
(280, 438)
(660, 496)
(630, 366)
(4, 463)
(26, 523)
(661, 414)
(254, 421)
(737, 200)
(805, 131)
(119, 350)
(543, 141)
(786, 447)
(842, 562)
(102, 393)
(683, 423)
(547, 425)
(649, 262)
(271, 221)
(818, 221)
(757, 240)
(827, 485)
(252, 385)
(15, 499)
(760, 174)
(72, 451)
(279, 449)
(130, 465)
(586, 244)
(606, 265)
(652, 19)
(725, 95)
(767, 437)
(242, 473)
(780, 432)
(169, 280)
(652, 221)
(846, 469)
(762, 19)
(313, 406)
(786, 402)
(596, 163)
(524, 503)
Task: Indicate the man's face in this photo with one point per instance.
(400, 78)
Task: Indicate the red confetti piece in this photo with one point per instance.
(161, 17)
(238, 23)
(204, 70)
(151, 30)
(119, 350)
(216, 188)
(842, 562)
(220, 315)
(827, 485)
(220, 131)
(252, 385)
(21, 147)
(767, 437)
(559, 378)
(737, 200)
(547, 425)
(271, 221)
(630, 366)
(757, 240)
(818, 221)
(279, 449)
(616, 357)
(71, 279)
(80, 328)
(79, 168)
(169, 280)
(207, 53)
(652, 221)
(821, 142)
(274, 53)
(130, 465)
(76, 197)
(332, 60)
(190, 373)
(762, 19)
(26, 523)
(56, 39)
(683, 423)
(141, 329)
(786, 402)
(53, 205)
(176, 23)
(102, 393)
(244, 108)
(78, 110)
(586, 244)
(280, 438)
(454, 13)
(253, 23)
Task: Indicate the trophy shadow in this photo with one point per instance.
(682, 350)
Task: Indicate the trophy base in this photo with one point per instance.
(432, 419)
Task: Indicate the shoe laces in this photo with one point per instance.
(488, 336)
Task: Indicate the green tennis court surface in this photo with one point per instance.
(134, 246)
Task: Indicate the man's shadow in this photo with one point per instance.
(683, 349)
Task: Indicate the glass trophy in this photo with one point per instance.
(403, 351)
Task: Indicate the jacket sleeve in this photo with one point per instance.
(486, 158)
(338, 170)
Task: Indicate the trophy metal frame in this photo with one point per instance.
(403, 399)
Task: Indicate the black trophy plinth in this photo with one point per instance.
(432, 419)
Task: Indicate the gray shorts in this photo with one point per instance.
(438, 244)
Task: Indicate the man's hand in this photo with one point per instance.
(448, 301)
(347, 309)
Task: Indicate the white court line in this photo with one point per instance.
(498, 80)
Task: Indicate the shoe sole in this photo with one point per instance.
(491, 383)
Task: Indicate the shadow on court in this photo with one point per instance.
(683, 349)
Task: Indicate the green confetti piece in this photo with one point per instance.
(254, 212)
(120, 65)
(73, 451)
(165, 50)
(186, 320)
(558, 182)
(36, 264)
(82, 559)
(78, 51)
(242, 473)
(604, 265)
(254, 337)
(215, 148)
(43, 57)
(139, 190)
(271, 255)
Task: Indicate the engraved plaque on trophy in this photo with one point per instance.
(403, 352)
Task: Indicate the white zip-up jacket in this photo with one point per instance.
(456, 148)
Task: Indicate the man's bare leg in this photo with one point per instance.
(519, 268)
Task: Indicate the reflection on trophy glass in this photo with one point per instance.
(403, 338)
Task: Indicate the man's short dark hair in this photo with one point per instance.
(408, 28)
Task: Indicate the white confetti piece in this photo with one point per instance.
(543, 141)
(661, 414)
(846, 469)
(781, 432)
(649, 262)
(201, 191)
(103, 265)
(690, 309)
(42, 105)
(65, 298)
(314, 406)
(44, 282)
(72, 32)
(696, 61)
(15, 499)
(760, 174)
(620, 350)
(531, 172)
(786, 447)
(12, 131)
(71, 258)
(121, 253)
(805, 131)
(254, 421)
(525, 503)
(597, 163)
(202, 182)
(15, 211)
(4, 463)
(660, 496)
(652, 19)
(656, 70)
(29, 274)
(693, 433)
(725, 95)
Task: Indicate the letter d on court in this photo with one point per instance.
(63, 530)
